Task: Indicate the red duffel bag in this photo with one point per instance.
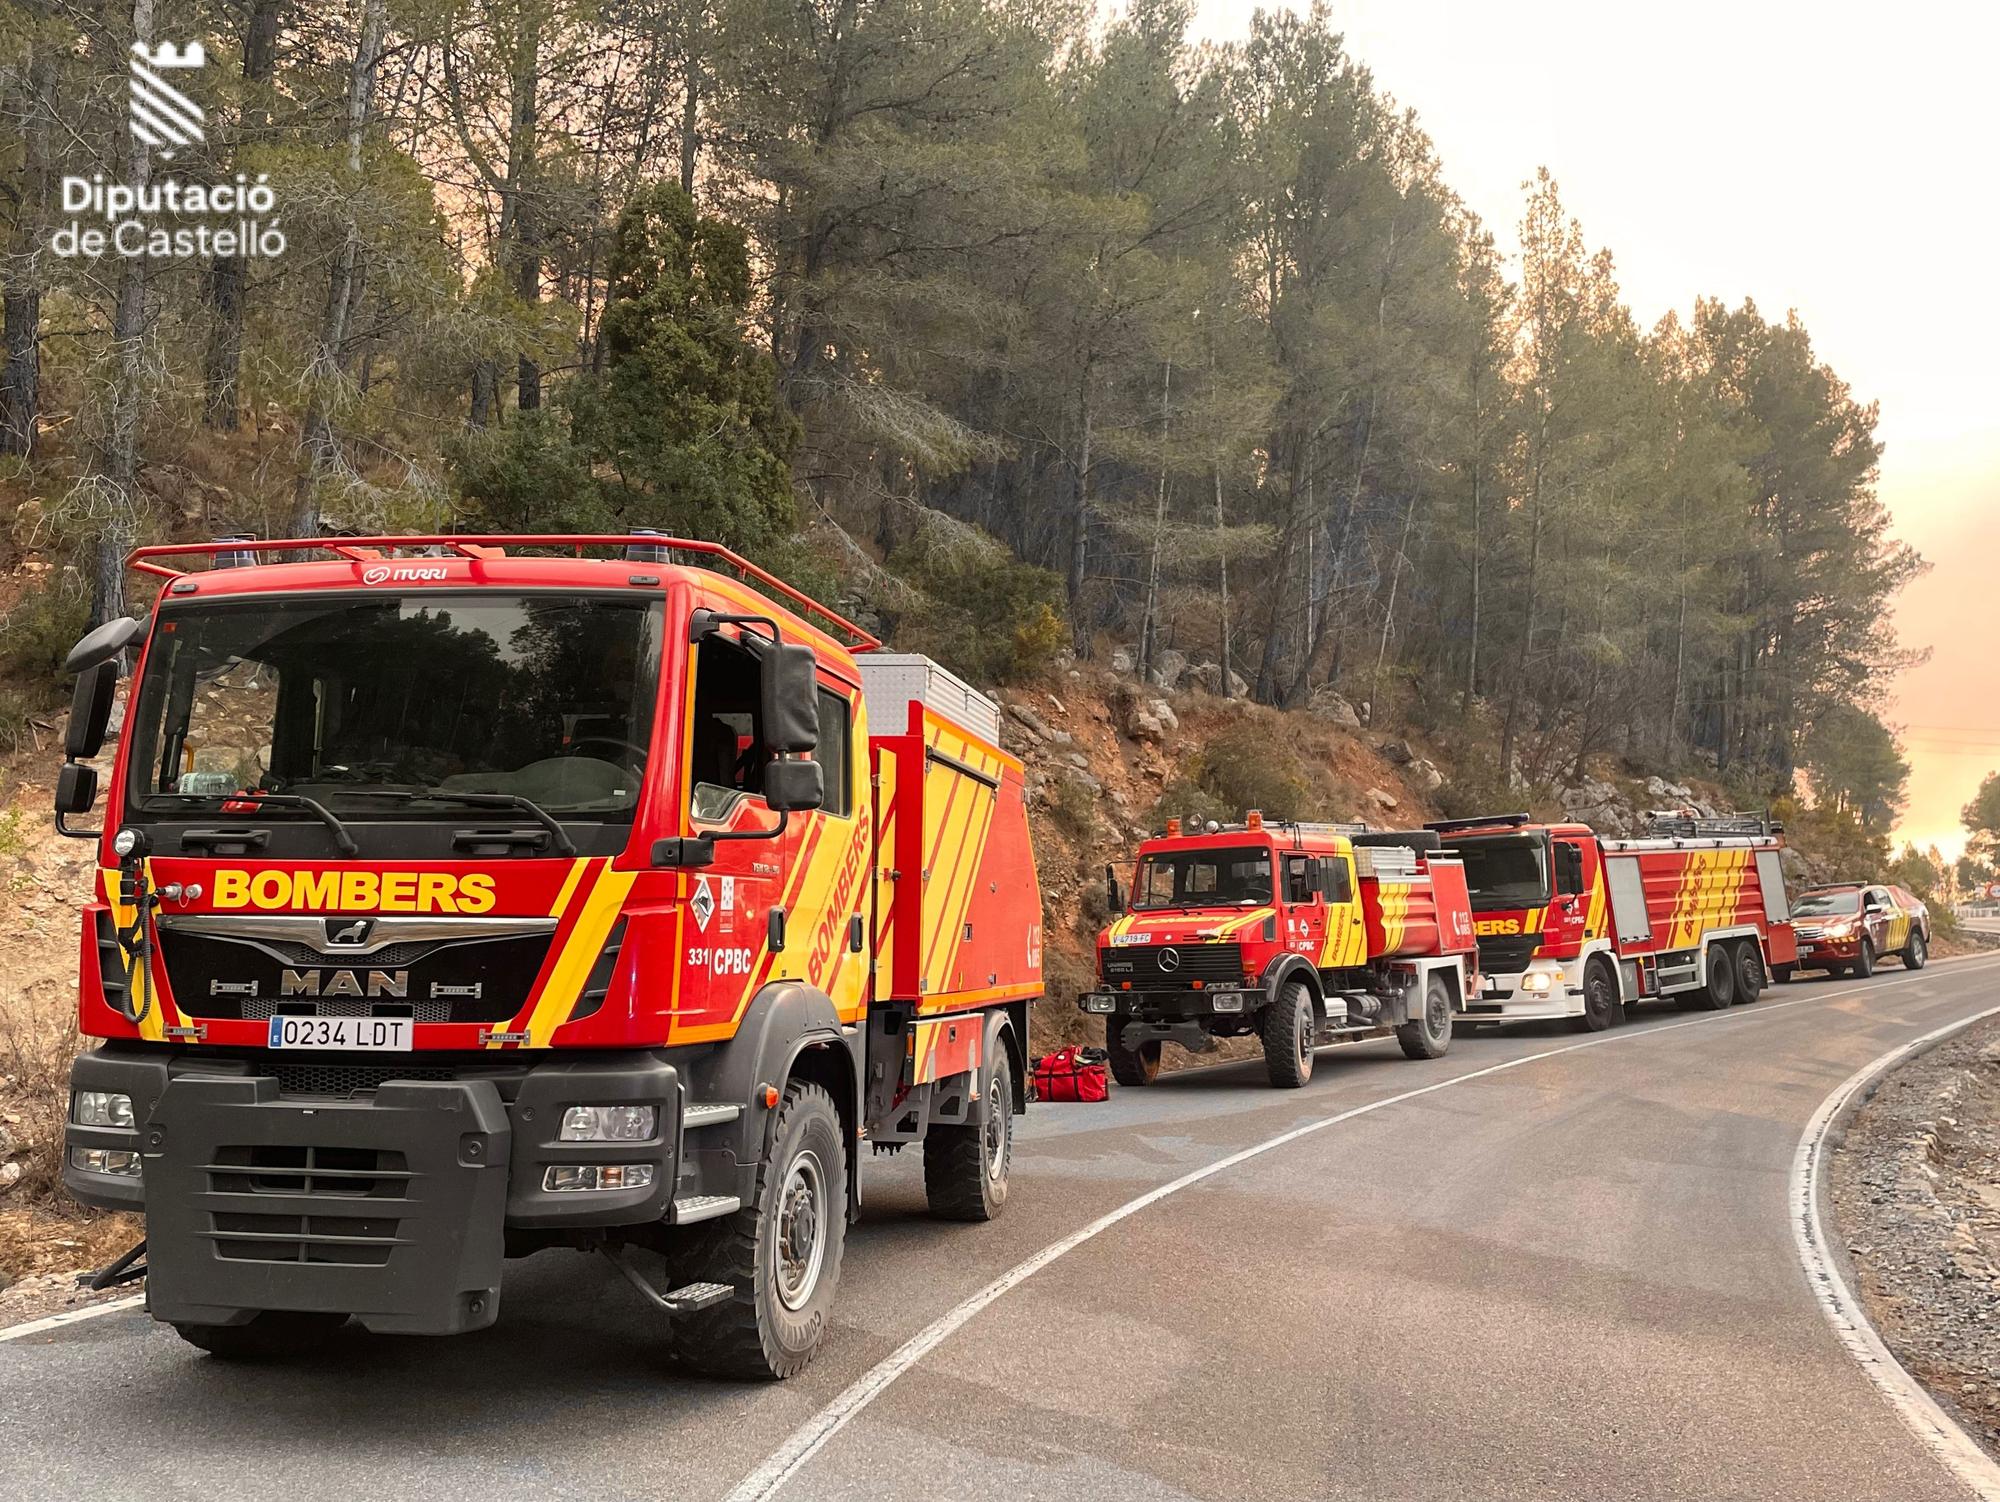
(1072, 1074)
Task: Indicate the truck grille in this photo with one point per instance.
(1506, 954)
(344, 1081)
(1809, 931)
(347, 1182)
(1172, 966)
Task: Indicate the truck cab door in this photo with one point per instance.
(1568, 908)
(1346, 934)
(1305, 914)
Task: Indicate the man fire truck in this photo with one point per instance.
(1299, 934)
(1574, 925)
(458, 901)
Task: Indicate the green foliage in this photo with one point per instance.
(983, 614)
(1917, 870)
(1856, 765)
(35, 637)
(529, 477)
(1836, 844)
(1244, 766)
(1073, 810)
(1981, 818)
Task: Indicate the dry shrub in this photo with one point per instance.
(38, 1038)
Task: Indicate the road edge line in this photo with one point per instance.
(810, 1437)
(1941, 1434)
(68, 1317)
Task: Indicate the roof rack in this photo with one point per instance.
(1684, 824)
(231, 551)
(1484, 821)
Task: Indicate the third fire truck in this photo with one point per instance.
(1572, 924)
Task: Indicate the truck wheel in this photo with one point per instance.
(1288, 1035)
(1749, 973)
(1721, 993)
(1602, 1007)
(1916, 952)
(781, 1252)
(275, 1332)
(1130, 1066)
(1783, 974)
(1428, 1036)
(1865, 966)
(965, 1167)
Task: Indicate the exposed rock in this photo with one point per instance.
(1123, 659)
(1209, 676)
(1402, 753)
(1162, 711)
(1330, 706)
(1169, 667)
(10, 1175)
(1425, 775)
(1382, 799)
(1078, 760)
(1037, 727)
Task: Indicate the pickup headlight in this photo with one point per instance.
(609, 1123)
(101, 1108)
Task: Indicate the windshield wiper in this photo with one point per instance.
(528, 806)
(313, 806)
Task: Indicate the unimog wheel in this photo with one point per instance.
(780, 1253)
(272, 1334)
(1720, 994)
(965, 1167)
(1288, 1036)
(1130, 1066)
(1428, 1036)
(1916, 953)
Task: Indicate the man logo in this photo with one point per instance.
(162, 116)
(348, 933)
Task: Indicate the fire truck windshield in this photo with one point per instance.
(1505, 871)
(1234, 876)
(347, 700)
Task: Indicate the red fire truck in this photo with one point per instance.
(1299, 934)
(1575, 925)
(458, 901)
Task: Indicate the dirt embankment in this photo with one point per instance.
(1916, 1199)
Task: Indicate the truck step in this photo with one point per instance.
(709, 1113)
(691, 1208)
(692, 1296)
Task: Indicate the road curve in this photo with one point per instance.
(1570, 1277)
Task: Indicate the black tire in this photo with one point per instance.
(1603, 1007)
(272, 1334)
(965, 1167)
(1720, 994)
(1287, 1025)
(1916, 953)
(1864, 967)
(1749, 973)
(1782, 974)
(1130, 1066)
(1429, 1036)
(767, 1330)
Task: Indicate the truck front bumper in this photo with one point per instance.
(391, 1204)
(1542, 991)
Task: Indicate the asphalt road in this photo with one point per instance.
(1573, 1277)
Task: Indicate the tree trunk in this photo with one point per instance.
(323, 375)
(527, 228)
(118, 460)
(1222, 554)
(222, 360)
(690, 107)
(21, 298)
(1079, 545)
(1149, 621)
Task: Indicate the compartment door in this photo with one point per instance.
(1629, 920)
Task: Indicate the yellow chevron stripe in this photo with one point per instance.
(161, 1014)
(579, 952)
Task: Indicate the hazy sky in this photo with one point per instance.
(1833, 158)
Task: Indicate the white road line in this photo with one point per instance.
(1936, 1428)
(53, 1321)
(807, 1440)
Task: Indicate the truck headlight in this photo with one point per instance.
(1538, 982)
(1098, 1001)
(563, 1177)
(609, 1123)
(101, 1108)
(1226, 1001)
(104, 1160)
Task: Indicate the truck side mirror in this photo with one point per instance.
(789, 682)
(104, 644)
(76, 791)
(794, 786)
(1114, 898)
(90, 710)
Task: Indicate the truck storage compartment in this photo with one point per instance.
(957, 921)
(1413, 904)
